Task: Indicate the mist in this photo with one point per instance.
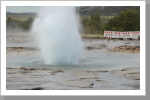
(56, 30)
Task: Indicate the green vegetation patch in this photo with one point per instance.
(15, 23)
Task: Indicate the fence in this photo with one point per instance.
(124, 35)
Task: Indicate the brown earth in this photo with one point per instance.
(126, 49)
(100, 46)
(21, 50)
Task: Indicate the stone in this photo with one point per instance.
(23, 68)
(125, 48)
(81, 84)
(129, 73)
(89, 77)
(133, 76)
(83, 72)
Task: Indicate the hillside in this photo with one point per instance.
(103, 10)
(87, 10)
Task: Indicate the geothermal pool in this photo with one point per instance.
(71, 77)
(90, 59)
(55, 57)
(94, 60)
(61, 46)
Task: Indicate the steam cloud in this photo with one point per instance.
(57, 32)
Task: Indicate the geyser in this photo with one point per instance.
(57, 33)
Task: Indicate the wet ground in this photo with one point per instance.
(47, 79)
(98, 69)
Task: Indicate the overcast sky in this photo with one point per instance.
(18, 9)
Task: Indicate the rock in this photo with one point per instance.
(126, 71)
(133, 76)
(81, 84)
(108, 39)
(102, 71)
(100, 46)
(23, 68)
(100, 80)
(87, 72)
(129, 73)
(38, 88)
(56, 71)
(89, 77)
(25, 72)
(127, 43)
(99, 71)
(135, 86)
(83, 72)
(52, 73)
(90, 48)
(34, 69)
(21, 50)
(125, 48)
(8, 68)
(45, 69)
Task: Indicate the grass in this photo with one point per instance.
(21, 19)
(93, 36)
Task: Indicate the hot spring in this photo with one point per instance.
(56, 35)
(56, 30)
(52, 56)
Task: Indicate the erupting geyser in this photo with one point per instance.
(57, 32)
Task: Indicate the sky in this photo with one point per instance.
(19, 9)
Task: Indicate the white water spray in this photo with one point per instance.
(57, 32)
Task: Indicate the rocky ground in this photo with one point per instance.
(21, 51)
(126, 49)
(24, 78)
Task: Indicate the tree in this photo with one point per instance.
(95, 22)
(92, 24)
(13, 23)
(128, 20)
(26, 25)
